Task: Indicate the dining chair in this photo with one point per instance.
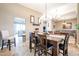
(37, 46)
(34, 41)
(31, 40)
(64, 46)
(45, 47)
(6, 39)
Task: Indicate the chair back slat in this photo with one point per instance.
(43, 40)
(32, 35)
(66, 41)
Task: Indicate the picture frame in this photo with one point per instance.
(35, 22)
(39, 21)
(32, 19)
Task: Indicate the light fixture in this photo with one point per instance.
(55, 17)
(45, 15)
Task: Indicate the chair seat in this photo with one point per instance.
(11, 37)
(61, 46)
(49, 45)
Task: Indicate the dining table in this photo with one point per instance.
(55, 40)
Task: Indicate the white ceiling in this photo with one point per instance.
(54, 10)
(40, 7)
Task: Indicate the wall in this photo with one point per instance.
(58, 25)
(9, 11)
(78, 23)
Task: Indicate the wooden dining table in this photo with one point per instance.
(55, 40)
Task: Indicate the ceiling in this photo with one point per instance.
(54, 10)
(40, 7)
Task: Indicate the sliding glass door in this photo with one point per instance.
(19, 29)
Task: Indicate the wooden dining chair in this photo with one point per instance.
(64, 45)
(35, 41)
(31, 38)
(45, 46)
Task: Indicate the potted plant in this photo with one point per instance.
(77, 26)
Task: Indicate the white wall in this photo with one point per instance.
(78, 23)
(9, 11)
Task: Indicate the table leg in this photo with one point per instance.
(55, 51)
(65, 52)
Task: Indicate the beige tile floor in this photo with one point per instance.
(20, 50)
(23, 50)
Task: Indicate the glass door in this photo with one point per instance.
(19, 29)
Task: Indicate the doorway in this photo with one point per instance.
(19, 29)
